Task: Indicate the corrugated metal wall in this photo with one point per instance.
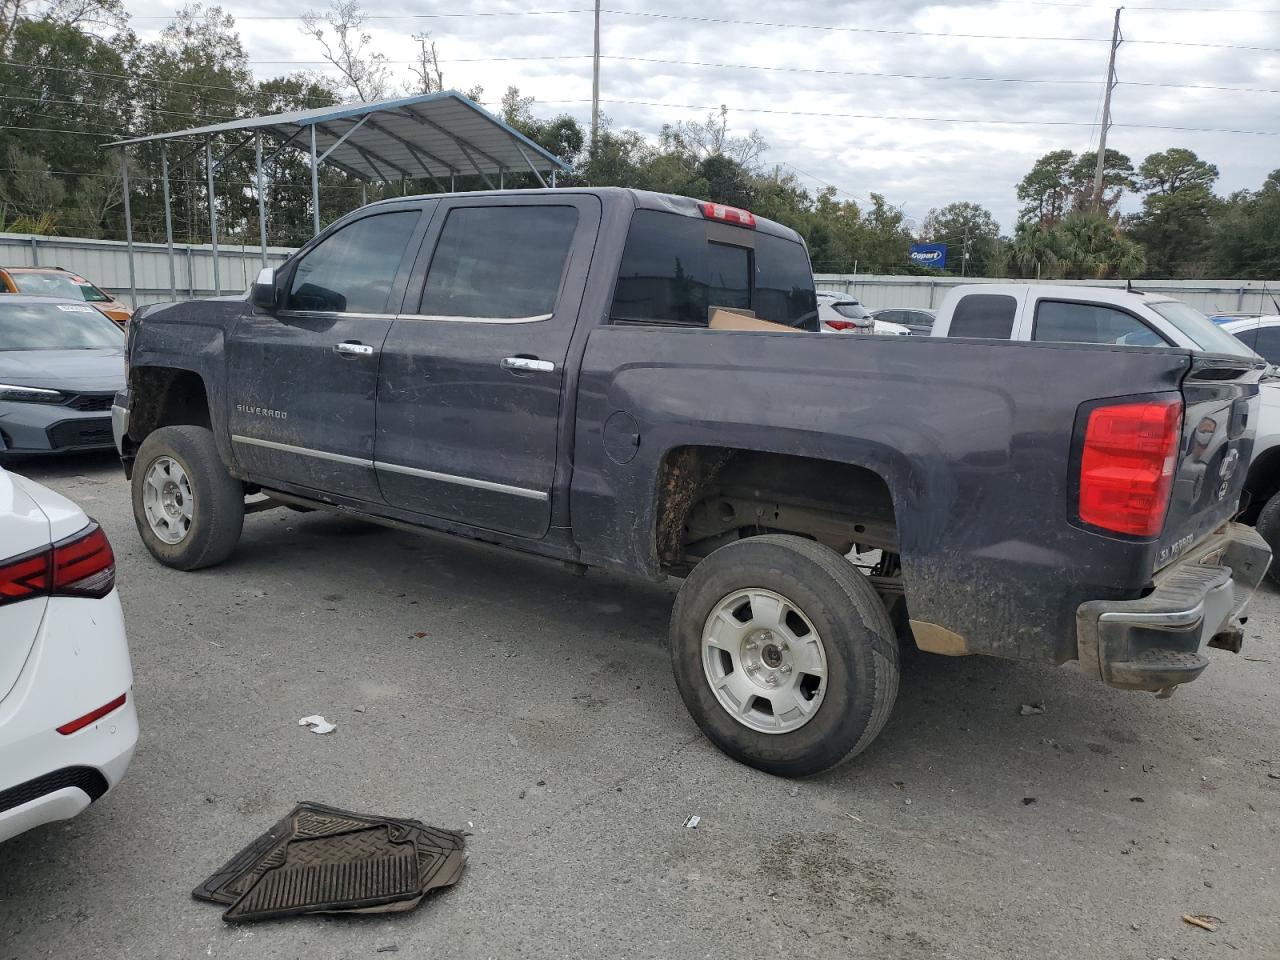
(106, 263)
(1210, 296)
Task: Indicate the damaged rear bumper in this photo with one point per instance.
(1158, 641)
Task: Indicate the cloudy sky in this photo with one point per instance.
(925, 102)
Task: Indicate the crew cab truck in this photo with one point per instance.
(633, 381)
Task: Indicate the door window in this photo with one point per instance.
(988, 315)
(499, 262)
(352, 270)
(1267, 344)
(1061, 322)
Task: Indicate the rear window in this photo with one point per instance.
(1202, 331)
(673, 272)
(987, 315)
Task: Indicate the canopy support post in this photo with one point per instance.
(315, 185)
(128, 225)
(536, 174)
(364, 193)
(168, 219)
(213, 215)
(262, 197)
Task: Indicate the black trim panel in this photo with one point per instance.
(91, 781)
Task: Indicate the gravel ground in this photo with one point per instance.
(504, 696)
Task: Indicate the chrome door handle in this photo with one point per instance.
(528, 365)
(348, 349)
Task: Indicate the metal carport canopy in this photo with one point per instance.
(435, 135)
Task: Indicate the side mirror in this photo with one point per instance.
(263, 292)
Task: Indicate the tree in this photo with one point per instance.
(426, 67)
(957, 223)
(1174, 226)
(1031, 250)
(106, 14)
(1046, 188)
(697, 141)
(345, 44)
(1090, 246)
(1246, 234)
(1117, 177)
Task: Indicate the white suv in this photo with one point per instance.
(67, 720)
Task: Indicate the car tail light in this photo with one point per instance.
(1126, 470)
(840, 324)
(92, 716)
(83, 565)
(718, 211)
(24, 577)
(80, 566)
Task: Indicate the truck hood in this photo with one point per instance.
(99, 369)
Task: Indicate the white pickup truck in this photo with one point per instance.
(1080, 314)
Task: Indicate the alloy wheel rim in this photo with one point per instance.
(167, 500)
(764, 660)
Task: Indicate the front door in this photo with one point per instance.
(473, 370)
(303, 378)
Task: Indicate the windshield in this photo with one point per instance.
(55, 326)
(57, 285)
(1202, 331)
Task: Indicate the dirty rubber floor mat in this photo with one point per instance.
(320, 859)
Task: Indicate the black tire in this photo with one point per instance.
(855, 630)
(217, 515)
(1268, 524)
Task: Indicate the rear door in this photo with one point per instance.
(303, 378)
(473, 371)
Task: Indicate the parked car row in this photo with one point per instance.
(65, 285)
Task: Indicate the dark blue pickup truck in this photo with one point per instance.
(634, 381)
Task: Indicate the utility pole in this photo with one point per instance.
(1106, 113)
(964, 256)
(595, 85)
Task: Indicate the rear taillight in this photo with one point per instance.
(1127, 466)
(80, 566)
(718, 211)
(24, 577)
(83, 565)
(841, 325)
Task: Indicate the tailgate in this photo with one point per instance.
(1219, 421)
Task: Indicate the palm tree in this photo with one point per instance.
(1032, 249)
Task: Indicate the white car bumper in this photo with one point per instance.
(79, 663)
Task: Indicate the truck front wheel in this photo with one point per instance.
(188, 509)
(784, 654)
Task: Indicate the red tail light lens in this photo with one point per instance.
(24, 577)
(80, 566)
(83, 565)
(1126, 471)
(840, 324)
(718, 211)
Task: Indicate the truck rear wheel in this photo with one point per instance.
(784, 654)
(1268, 525)
(188, 509)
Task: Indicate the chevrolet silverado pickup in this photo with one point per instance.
(627, 380)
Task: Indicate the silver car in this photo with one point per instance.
(61, 363)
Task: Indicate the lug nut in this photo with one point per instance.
(786, 668)
(772, 679)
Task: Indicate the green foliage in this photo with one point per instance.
(959, 223)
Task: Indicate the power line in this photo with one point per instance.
(917, 119)
(884, 31)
